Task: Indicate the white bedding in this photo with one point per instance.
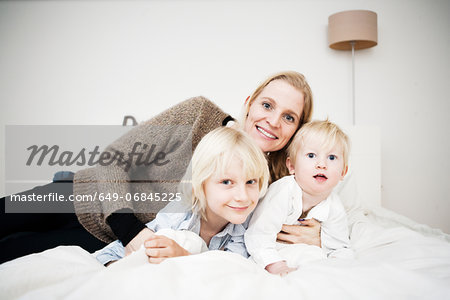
(396, 258)
(392, 262)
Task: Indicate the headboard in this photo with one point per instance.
(363, 181)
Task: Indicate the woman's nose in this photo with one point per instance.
(274, 120)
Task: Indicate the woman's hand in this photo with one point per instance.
(307, 233)
(138, 240)
(279, 268)
(160, 247)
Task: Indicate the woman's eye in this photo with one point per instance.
(226, 182)
(252, 181)
(289, 118)
(332, 157)
(311, 155)
(266, 105)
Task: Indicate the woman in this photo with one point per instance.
(275, 111)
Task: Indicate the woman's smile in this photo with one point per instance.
(266, 133)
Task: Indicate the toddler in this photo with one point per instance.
(317, 161)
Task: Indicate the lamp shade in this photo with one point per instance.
(358, 26)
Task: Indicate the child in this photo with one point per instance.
(317, 161)
(229, 174)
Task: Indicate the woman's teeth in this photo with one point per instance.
(265, 133)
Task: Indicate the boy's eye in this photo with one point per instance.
(226, 182)
(311, 155)
(332, 157)
(252, 181)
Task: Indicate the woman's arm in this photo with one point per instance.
(307, 233)
(127, 227)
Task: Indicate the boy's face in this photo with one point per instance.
(230, 197)
(317, 170)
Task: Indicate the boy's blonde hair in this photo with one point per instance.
(329, 135)
(214, 153)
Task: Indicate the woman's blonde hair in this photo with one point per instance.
(277, 159)
(214, 153)
(327, 133)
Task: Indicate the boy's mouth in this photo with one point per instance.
(320, 177)
(238, 208)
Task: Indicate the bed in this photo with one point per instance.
(395, 258)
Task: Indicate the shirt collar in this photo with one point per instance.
(193, 224)
(321, 211)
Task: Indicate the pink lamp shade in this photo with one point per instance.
(358, 26)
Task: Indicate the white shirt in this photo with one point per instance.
(283, 205)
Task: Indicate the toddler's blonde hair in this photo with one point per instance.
(328, 134)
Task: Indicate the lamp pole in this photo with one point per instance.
(353, 83)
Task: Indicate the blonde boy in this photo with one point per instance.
(317, 161)
(227, 176)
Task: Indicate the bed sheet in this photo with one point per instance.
(393, 261)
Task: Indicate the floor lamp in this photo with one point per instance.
(352, 30)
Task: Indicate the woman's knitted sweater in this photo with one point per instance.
(151, 158)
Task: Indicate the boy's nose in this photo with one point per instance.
(321, 164)
(241, 194)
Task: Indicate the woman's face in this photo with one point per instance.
(274, 115)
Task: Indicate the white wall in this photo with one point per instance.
(92, 62)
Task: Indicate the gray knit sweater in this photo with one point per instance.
(175, 133)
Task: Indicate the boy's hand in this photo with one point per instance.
(160, 247)
(307, 233)
(279, 268)
(138, 240)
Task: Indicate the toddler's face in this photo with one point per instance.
(317, 170)
(230, 197)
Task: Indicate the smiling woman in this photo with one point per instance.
(275, 111)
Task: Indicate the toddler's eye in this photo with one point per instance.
(226, 181)
(332, 157)
(252, 181)
(311, 155)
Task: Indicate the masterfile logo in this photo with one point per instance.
(35, 153)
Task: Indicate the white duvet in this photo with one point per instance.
(395, 259)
